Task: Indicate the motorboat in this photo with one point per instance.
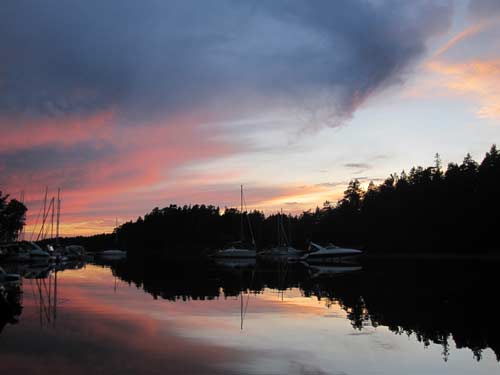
(9, 278)
(329, 253)
(24, 251)
(36, 252)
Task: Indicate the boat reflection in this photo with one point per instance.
(316, 271)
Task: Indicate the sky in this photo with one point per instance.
(129, 105)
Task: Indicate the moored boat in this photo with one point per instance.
(23, 251)
(283, 250)
(239, 249)
(113, 254)
(330, 253)
(9, 278)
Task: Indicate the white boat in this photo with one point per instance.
(235, 252)
(239, 250)
(36, 252)
(113, 254)
(24, 251)
(283, 251)
(9, 278)
(329, 253)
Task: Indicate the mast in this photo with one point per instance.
(44, 211)
(116, 231)
(21, 235)
(279, 229)
(58, 214)
(52, 220)
(241, 310)
(45, 200)
(283, 232)
(289, 230)
(241, 214)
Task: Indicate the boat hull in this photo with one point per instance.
(235, 253)
(281, 253)
(331, 254)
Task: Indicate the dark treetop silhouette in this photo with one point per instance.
(423, 210)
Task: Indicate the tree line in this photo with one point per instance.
(429, 209)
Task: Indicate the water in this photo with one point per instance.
(194, 318)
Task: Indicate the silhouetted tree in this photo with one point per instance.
(12, 218)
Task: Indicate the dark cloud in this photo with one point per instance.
(155, 58)
(332, 184)
(48, 164)
(361, 179)
(358, 165)
(39, 158)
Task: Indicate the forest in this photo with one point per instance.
(424, 210)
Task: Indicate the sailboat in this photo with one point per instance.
(283, 251)
(239, 249)
(113, 254)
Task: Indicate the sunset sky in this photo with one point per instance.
(127, 105)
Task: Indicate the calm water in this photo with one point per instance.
(386, 318)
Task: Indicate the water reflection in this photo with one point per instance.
(250, 318)
(436, 301)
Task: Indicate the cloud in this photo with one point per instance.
(484, 9)
(152, 58)
(464, 34)
(358, 165)
(480, 78)
(109, 99)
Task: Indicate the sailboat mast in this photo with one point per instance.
(289, 230)
(45, 200)
(241, 310)
(116, 231)
(278, 228)
(241, 214)
(21, 235)
(58, 214)
(52, 220)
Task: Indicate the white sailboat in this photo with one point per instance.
(113, 254)
(283, 251)
(239, 249)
